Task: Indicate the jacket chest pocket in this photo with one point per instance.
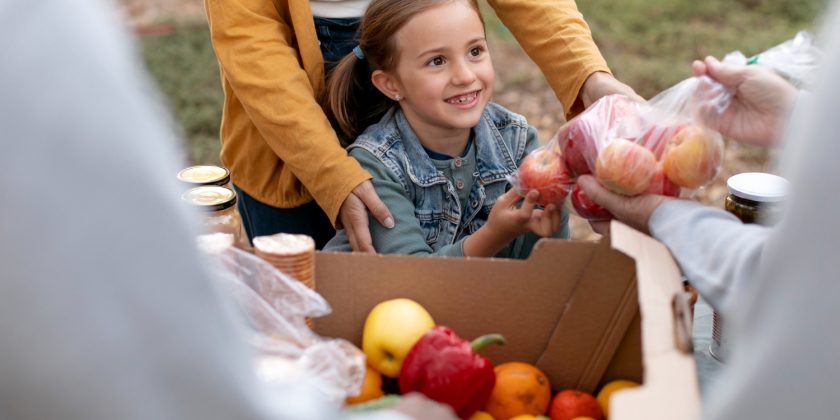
(431, 228)
(429, 207)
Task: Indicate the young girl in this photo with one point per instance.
(440, 152)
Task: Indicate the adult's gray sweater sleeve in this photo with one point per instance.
(717, 253)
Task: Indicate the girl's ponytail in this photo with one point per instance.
(352, 102)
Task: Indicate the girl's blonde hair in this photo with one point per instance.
(352, 102)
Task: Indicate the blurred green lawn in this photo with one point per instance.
(648, 43)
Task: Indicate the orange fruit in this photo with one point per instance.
(520, 388)
(371, 387)
(583, 418)
(528, 417)
(481, 415)
(572, 403)
(606, 392)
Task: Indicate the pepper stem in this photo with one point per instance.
(480, 342)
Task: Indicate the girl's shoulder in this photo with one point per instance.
(380, 137)
(502, 117)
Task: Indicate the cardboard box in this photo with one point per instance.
(572, 309)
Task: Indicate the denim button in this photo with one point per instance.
(458, 163)
(459, 184)
(474, 203)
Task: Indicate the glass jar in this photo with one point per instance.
(199, 175)
(216, 209)
(754, 197)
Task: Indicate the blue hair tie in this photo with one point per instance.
(357, 51)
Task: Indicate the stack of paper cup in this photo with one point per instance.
(294, 255)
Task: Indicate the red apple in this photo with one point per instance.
(657, 136)
(577, 141)
(544, 170)
(570, 404)
(661, 185)
(625, 167)
(694, 157)
(624, 116)
(586, 208)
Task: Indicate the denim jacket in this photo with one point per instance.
(500, 140)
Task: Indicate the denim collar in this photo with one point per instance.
(494, 161)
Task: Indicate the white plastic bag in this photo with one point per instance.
(274, 308)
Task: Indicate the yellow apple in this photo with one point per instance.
(391, 329)
(625, 167)
(694, 157)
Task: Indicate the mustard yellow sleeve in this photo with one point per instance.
(558, 39)
(254, 46)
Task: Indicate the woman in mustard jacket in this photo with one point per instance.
(279, 145)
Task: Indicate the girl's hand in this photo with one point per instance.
(545, 222)
(506, 221)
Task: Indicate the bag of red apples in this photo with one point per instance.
(666, 146)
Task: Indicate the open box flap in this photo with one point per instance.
(597, 317)
(565, 309)
(669, 389)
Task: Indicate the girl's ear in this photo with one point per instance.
(386, 84)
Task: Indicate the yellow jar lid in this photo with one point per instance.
(210, 197)
(204, 175)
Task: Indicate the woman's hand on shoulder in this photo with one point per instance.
(353, 215)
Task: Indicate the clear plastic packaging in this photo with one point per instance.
(794, 59)
(669, 145)
(666, 146)
(274, 308)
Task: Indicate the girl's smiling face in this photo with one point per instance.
(443, 74)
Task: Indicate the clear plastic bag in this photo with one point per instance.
(794, 59)
(669, 145)
(665, 146)
(274, 308)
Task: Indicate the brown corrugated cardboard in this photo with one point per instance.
(670, 388)
(572, 308)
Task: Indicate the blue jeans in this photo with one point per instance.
(260, 219)
(337, 38)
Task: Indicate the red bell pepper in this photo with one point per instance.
(447, 369)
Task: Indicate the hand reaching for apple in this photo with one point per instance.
(507, 221)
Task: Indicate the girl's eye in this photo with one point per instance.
(437, 61)
(476, 51)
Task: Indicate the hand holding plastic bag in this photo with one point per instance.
(660, 147)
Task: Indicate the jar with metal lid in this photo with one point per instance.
(216, 209)
(754, 197)
(199, 175)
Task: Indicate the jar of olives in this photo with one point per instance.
(754, 197)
